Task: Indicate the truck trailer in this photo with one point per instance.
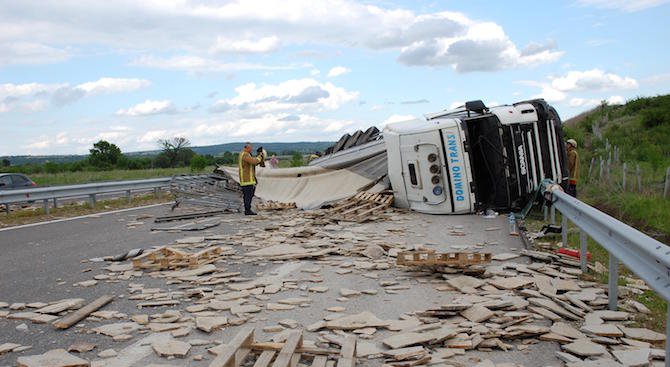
(464, 160)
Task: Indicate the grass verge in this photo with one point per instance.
(73, 178)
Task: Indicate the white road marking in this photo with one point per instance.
(94, 215)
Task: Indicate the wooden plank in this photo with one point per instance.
(81, 313)
(355, 209)
(304, 349)
(294, 341)
(319, 361)
(227, 356)
(348, 353)
(265, 358)
(378, 207)
(295, 359)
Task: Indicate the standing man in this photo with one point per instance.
(247, 165)
(573, 166)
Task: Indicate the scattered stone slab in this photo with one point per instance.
(633, 357)
(642, 334)
(504, 256)
(585, 348)
(8, 347)
(52, 358)
(602, 330)
(278, 307)
(210, 323)
(242, 309)
(511, 282)
(357, 321)
(477, 313)
(117, 328)
(407, 339)
(465, 283)
(81, 347)
(566, 330)
(107, 353)
(345, 292)
(171, 348)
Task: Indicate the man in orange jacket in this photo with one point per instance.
(247, 166)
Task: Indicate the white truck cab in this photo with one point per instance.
(474, 158)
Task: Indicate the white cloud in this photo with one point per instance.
(262, 45)
(196, 28)
(113, 85)
(32, 97)
(624, 5)
(25, 52)
(585, 102)
(149, 107)
(197, 64)
(396, 118)
(594, 79)
(292, 95)
(337, 71)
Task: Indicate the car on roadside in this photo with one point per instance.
(15, 181)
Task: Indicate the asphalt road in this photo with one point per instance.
(41, 264)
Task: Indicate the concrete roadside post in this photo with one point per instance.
(613, 282)
(91, 200)
(582, 251)
(46, 206)
(623, 179)
(666, 189)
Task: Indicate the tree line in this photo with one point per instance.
(103, 156)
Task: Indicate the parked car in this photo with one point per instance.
(12, 181)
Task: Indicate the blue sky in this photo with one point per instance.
(129, 72)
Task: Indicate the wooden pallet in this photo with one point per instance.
(362, 207)
(455, 259)
(243, 350)
(275, 205)
(171, 258)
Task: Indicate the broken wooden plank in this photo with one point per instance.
(348, 353)
(81, 313)
(292, 343)
(265, 358)
(227, 356)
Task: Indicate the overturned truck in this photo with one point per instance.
(461, 161)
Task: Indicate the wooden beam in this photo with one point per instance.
(304, 349)
(227, 356)
(348, 353)
(284, 358)
(265, 358)
(81, 313)
(319, 361)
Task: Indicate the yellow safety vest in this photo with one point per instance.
(247, 170)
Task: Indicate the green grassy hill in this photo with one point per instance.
(637, 134)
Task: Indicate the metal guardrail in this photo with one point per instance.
(646, 257)
(54, 193)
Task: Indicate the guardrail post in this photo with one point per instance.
(46, 206)
(613, 290)
(564, 231)
(157, 192)
(128, 196)
(91, 200)
(552, 215)
(582, 251)
(55, 203)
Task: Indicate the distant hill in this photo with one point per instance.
(215, 150)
